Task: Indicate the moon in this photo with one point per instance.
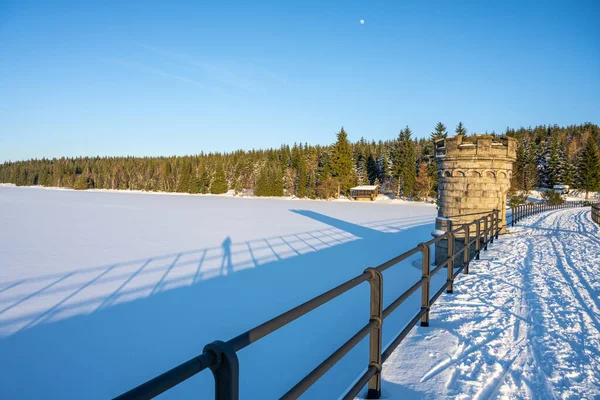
(362, 21)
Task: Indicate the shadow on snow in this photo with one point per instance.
(98, 332)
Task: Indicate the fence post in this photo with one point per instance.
(450, 262)
(512, 219)
(467, 251)
(497, 223)
(485, 232)
(226, 371)
(492, 224)
(478, 236)
(375, 339)
(425, 254)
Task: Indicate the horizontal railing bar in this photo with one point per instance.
(402, 335)
(329, 362)
(354, 390)
(467, 215)
(439, 293)
(389, 309)
(460, 228)
(459, 270)
(436, 239)
(171, 378)
(437, 269)
(397, 259)
(459, 252)
(251, 336)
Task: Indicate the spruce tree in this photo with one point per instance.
(405, 163)
(439, 132)
(589, 167)
(555, 165)
(302, 175)
(423, 182)
(82, 183)
(219, 184)
(185, 183)
(372, 170)
(341, 162)
(460, 129)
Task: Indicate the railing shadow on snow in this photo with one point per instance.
(144, 277)
(222, 357)
(136, 309)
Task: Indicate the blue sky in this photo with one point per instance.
(164, 78)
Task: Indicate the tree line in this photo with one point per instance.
(553, 155)
(403, 166)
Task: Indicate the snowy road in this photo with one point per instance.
(524, 324)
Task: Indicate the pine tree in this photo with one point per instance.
(423, 182)
(372, 170)
(589, 167)
(185, 184)
(302, 178)
(460, 129)
(555, 165)
(405, 163)
(82, 183)
(341, 161)
(439, 132)
(219, 184)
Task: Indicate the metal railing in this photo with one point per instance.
(221, 358)
(596, 212)
(526, 210)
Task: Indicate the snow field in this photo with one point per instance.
(100, 292)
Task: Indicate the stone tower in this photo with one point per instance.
(474, 178)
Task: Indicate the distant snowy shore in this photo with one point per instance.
(381, 199)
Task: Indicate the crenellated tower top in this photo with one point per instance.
(480, 146)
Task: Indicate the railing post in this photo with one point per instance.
(492, 224)
(512, 218)
(497, 212)
(450, 262)
(375, 338)
(478, 236)
(485, 233)
(226, 371)
(467, 252)
(425, 254)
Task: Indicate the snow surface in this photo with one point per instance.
(101, 291)
(525, 323)
(574, 195)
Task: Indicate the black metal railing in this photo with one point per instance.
(596, 212)
(221, 358)
(526, 210)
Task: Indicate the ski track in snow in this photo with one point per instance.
(524, 324)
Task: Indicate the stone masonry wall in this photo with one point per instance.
(474, 178)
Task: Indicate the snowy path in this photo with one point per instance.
(524, 324)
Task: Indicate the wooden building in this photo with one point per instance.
(365, 192)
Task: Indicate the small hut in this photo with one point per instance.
(365, 192)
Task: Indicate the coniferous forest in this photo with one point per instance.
(403, 166)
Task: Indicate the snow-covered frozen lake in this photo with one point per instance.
(102, 291)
